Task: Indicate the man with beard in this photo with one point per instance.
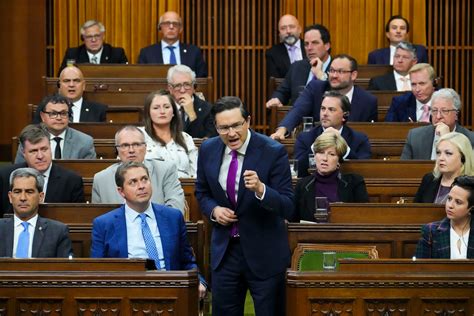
(317, 45)
(280, 56)
(342, 74)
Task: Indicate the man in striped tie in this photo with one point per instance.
(26, 234)
(141, 229)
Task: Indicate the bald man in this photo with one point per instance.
(290, 49)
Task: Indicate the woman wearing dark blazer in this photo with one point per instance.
(327, 181)
(452, 237)
(453, 158)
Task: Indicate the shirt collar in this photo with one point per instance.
(132, 215)
(350, 93)
(48, 171)
(32, 221)
(297, 45)
(78, 103)
(164, 44)
(62, 135)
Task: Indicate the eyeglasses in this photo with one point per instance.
(169, 23)
(237, 127)
(92, 37)
(126, 146)
(54, 114)
(402, 57)
(443, 112)
(338, 71)
(185, 85)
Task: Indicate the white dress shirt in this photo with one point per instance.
(98, 55)
(76, 110)
(54, 144)
(454, 238)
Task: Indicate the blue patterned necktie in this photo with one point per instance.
(149, 241)
(172, 55)
(23, 242)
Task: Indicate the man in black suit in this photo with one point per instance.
(399, 79)
(170, 50)
(61, 185)
(50, 237)
(280, 56)
(195, 112)
(71, 85)
(317, 44)
(94, 50)
(396, 31)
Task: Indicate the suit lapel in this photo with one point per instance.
(284, 53)
(68, 144)
(214, 169)
(167, 240)
(52, 189)
(38, 237)
(85, 111)
(106, 54)
(183, 54)
(83, 57)
(9, 233)
(386, 56)
(444, 247)
(120, 225)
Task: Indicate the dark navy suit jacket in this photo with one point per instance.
(191, 56)
(363, 105)
(357, 141)
(295, 81)
(110, 55)
(109, 237)
(278, 60)
(381, 56)
(402, 108)
(262, 228)
(384, 82)
(203, 125)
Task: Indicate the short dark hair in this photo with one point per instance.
(229, 103)
(33, 133)
(123, 167)
(325, 36)
(352, 60)
(396, 17)
(55, 98)
(27, 173)
(345, 103)
(467, 183)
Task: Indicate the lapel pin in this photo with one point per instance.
(106, 57)
(185, 51)
(40, 228)
(87, 109)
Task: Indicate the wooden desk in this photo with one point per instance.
(98, 291)
(384, 287)
(126, 91)
(124, 70)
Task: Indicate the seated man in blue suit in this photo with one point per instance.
(342, 74)
(335, 109)
(170, 50)
(141, 229)
(94, 50)
(396, 30)
(414, 106)
(317, 45)
(398, 79)
(66, 142)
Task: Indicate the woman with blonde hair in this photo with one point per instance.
(164, 136)
(327, 181)
(453, 158)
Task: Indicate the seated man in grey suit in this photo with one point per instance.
(26, 234)
(66, 142)
(445, 108)
(399, 79)
(131, 146)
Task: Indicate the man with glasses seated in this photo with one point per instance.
(66, 142)
(170, 50)
(94, 50)
(195, 112)
(445, 108)
(131, 146)
(414, 106)
(398, 79)
(342, 74)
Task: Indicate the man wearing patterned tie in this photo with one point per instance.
(414, 106)
(244, 188)
(66, 142)
(170, 50)
(141, 229)
(26, 234)
(398, 79)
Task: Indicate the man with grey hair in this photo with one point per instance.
(94, 50)
(26, 234)
(445, 109)
(61, 185)
(131, 146)
(414, 106)
(170, 50)
(398, 80)
(195, 112)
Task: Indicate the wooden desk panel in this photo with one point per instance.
(124, 70)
